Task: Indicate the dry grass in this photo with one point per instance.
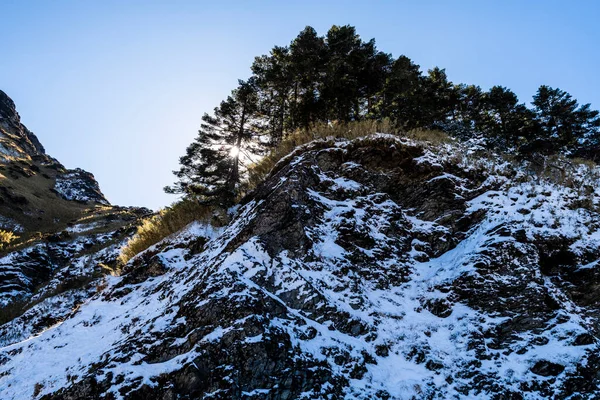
(258, 171)
(434, 137)
(6, 238)
(166, 222)
(584, 162)
(26, 189)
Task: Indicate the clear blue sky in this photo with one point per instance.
(118, 87)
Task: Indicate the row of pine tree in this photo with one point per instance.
(341, 78)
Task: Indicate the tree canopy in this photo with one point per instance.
(339, 77)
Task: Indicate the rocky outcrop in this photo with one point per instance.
(15, 139)
(23, 156)
(37, 193)
(373, 268)
(79, 185)
(78, 252)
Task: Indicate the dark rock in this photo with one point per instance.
(315, 285)
(439, 307)
(584, 339)
(547, 368)
(11, 122)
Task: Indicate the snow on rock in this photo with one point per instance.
(373, 268)
(79, 185)
(10, 225)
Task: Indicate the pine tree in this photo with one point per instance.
(470, 106)
(210, 169)
(375, 67)
(438, 100)
(342, 78)
(341, 91)
(562, 118)
(273, 77)
(589, 136)
(506, 122)
(398, 99)
(307, 58)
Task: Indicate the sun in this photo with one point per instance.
(234, 151)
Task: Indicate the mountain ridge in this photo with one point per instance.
(37, 193)
(58, 232)
(24, 141)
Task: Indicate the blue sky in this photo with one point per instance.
(118, 87)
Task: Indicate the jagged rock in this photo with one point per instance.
(547, 368)
(15, 138)
(79, 185)
(144, 267)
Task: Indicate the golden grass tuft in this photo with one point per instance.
(166, 222)
(351, 130)
(584, 162)
(435, 137)
(6, 238)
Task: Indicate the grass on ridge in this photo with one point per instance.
(352, 130)
(174, 218)
(164, 223)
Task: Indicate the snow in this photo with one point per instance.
(76, 186)
(80, 228)
(10, 225)
(96, 329)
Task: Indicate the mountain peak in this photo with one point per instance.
(16, 141)
(38, 195)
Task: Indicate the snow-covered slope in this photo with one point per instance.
(67, 258)
(373, 268)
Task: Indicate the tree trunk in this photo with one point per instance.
(234, 177)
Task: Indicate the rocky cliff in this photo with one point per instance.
(374, 268)
(36, 191)
(16, 141)
(64, 235)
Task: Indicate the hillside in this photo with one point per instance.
(37, 193)
(379, 267)
(58, 233)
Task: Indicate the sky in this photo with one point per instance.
(118, 88)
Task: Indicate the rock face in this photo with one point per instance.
(365, 269)
(61, 260)
(15, 139)
(79, 185)
(23, 157)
